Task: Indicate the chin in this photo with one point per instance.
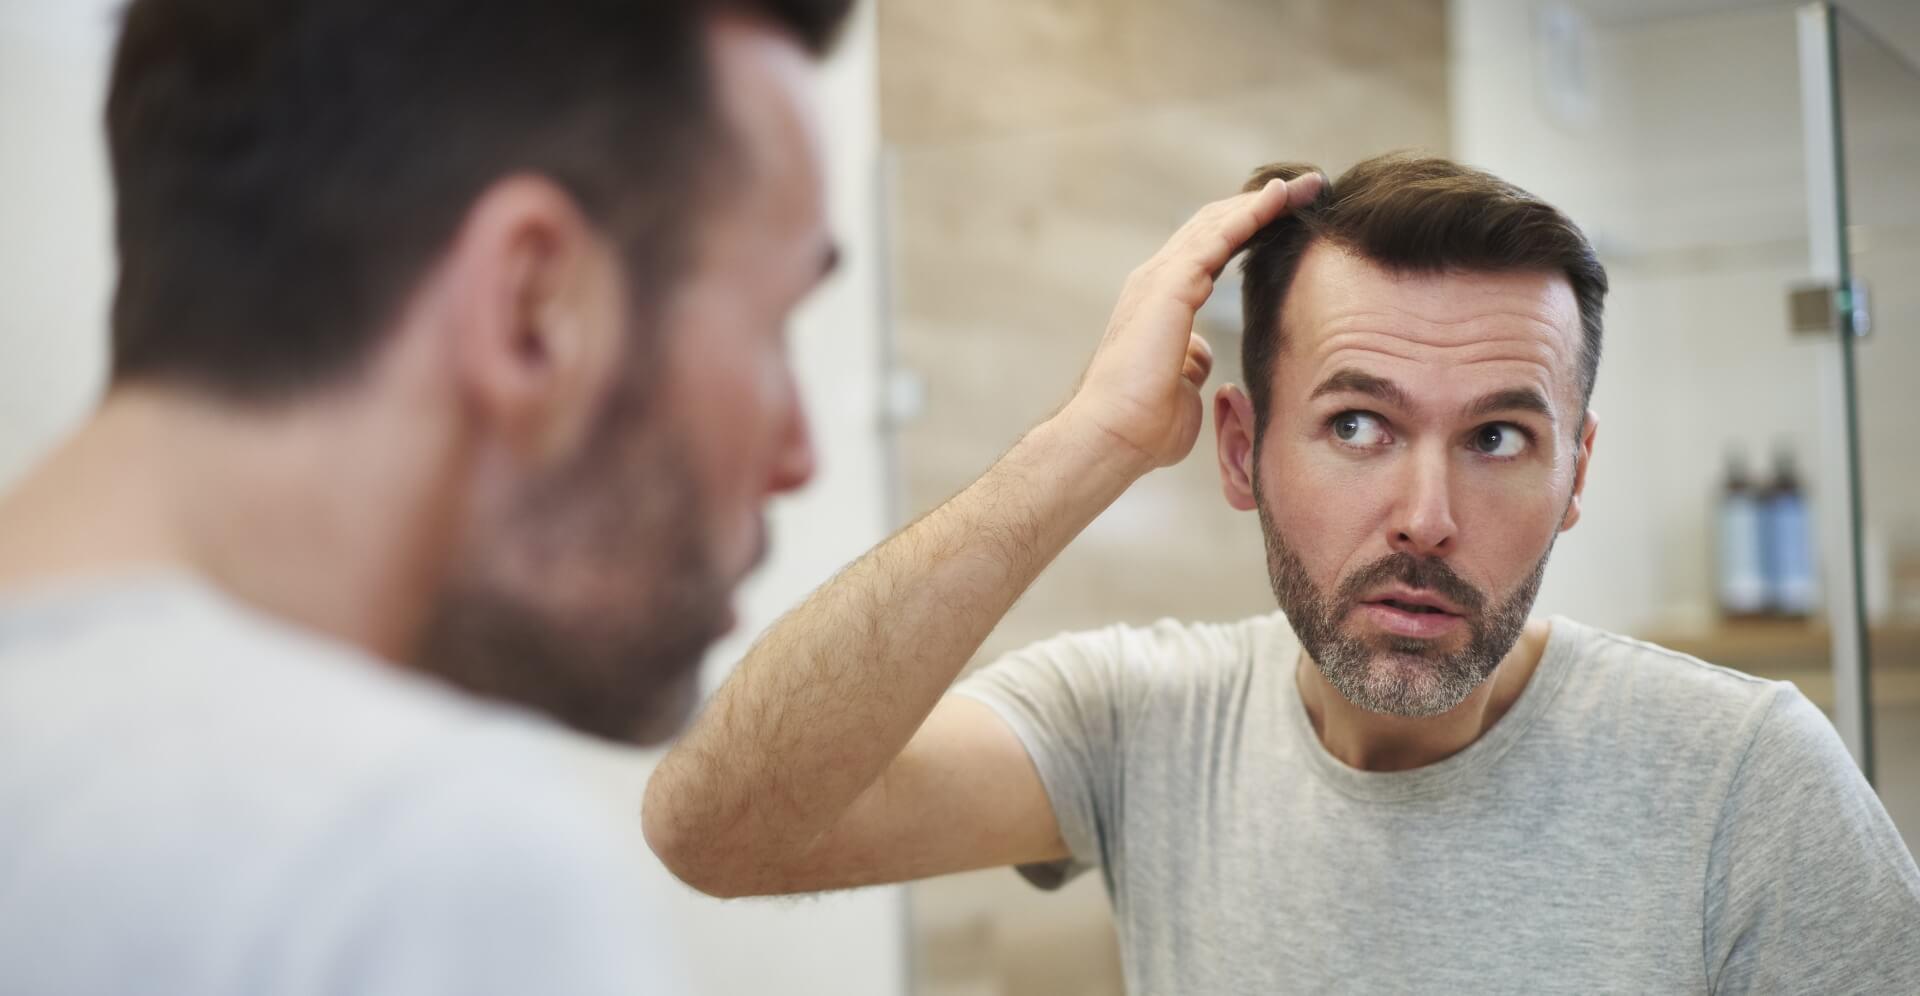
(1416, 650)
(1410, 679)
(1414, 692)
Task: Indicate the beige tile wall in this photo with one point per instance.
(1038, 150)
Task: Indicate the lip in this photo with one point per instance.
(1400, 622)
(1413, 596)
(1444, 618)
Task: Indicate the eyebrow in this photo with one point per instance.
(1351, 381)
(1513, 399)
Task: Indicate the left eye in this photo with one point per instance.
(1499, 440)
(1358, 429)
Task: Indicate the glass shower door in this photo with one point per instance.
(1862, 111)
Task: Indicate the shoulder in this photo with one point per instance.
(1796, 751)
(225, 708)
(1165, 655)
(497, 874)
(1653, 724)
(213, 725)
(1655, 691)
(327, 706)
(1169, 643)
(254, 789)
(1762, 741)
(468, 850)
(509, 822)
(1137, 684)
(1809, 887)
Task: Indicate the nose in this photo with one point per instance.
(1422, 524)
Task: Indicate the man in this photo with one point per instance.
(448, 388)
(1404, 783)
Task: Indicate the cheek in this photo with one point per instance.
(1506, 525)
(1336, 514)
(734, 401)
(1526, 503)
(1332, 516)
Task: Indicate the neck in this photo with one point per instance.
(315, 513)
(1372, 741)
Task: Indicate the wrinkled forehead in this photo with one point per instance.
(1344, 309)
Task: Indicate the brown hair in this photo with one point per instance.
(286, 170)
(1412, 214)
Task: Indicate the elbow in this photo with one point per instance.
(706, 880)
(694, 866)
(694, 856)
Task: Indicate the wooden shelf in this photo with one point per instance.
(1801, 652)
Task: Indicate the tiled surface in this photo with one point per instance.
(1012, 236)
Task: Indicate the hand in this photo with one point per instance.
(1141, 390)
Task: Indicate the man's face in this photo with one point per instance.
(1423, 449)
(598, 596)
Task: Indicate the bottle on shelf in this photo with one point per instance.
(1741, 576)
(1787, 544)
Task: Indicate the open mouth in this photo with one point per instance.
(1412, 614)
(1412, 607)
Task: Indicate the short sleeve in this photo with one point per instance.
(1064, 698)
(1809, 887)
(481, 887)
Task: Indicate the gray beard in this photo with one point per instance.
(1398, 676)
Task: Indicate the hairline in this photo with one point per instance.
(1583, 382)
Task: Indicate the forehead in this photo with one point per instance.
(764, 84)
(1451, 328)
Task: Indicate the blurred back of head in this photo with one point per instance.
(291, 172)
(287, 169)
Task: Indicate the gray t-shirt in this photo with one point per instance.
(197, 800)
(1637, 822)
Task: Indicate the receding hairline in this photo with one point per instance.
(1568, 320)
(1414, 214)
(1567, 327)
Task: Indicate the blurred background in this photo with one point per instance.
(1749, 171)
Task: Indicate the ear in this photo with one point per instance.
(1582, 459)
(537, 317)
(1234, 429)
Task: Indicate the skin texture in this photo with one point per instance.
(829, 758)
(529, 450)
(1414, 488)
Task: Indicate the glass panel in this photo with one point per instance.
(1879, 93)
(1719, 451)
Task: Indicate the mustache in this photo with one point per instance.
(1415, 572)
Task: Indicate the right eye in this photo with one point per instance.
(1360, 430)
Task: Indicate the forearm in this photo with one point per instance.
(813, 721)
(832, 693)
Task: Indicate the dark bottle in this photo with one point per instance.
(1741, 577)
